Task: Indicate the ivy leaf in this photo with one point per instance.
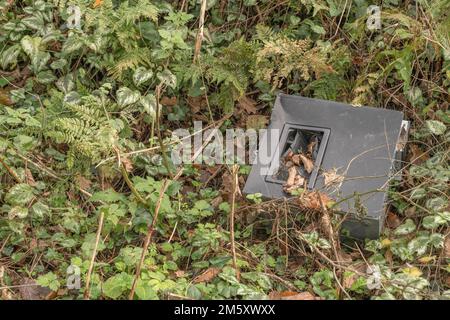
(126, 96)
(408, 227)
(141, 75)
(436, 127)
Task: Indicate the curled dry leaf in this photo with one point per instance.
(248, 105)
(331, 178)
(311, 200)
(169, 102)
(416, 155)
(294, 180)
(82, 182)
(311, 146)
(127, 164)
(29, 177)
(208, 275)
(392, 220)
(307, 163)
(5, 98)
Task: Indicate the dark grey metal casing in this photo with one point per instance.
(361, 144)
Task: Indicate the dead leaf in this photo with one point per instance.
(294, 180)
(127, 164)
(82, 182)
(29, 177)
(349, 280)
(30, 290)
(290, 295)
(416, 155)
(248, 105)
(208, 275)
(311, 201)
(257, 122)
(392, 220)
(307, 163)
(5, 98)
(311, 146)
(196, 103)
(180, 273)
(169, 102)
(291, 177)
(331, 178)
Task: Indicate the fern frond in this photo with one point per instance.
(130, 60)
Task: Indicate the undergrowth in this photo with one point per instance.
(86, 116)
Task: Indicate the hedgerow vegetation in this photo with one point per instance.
(87, 183)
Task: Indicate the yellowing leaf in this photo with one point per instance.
(412, 271)
(385, 243)
(427, 259)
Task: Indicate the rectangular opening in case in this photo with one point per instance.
(296, 139)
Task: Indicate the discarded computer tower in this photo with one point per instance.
(362, 146)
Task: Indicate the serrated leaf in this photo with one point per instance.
(407, 227)
(115, 286)
(432, 222)
(436, 127)
(20, 194)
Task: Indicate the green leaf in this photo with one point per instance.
(436, 204)
(19, 195)
(9, 57)
(436, 127)
(141, 75)
(168, 78)
(432, 222)
(144, 291)
(34, 22)
(115, 286)
(49, 280)
(148, 102)
(407, 227)
(126, 96)
(31, 45)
